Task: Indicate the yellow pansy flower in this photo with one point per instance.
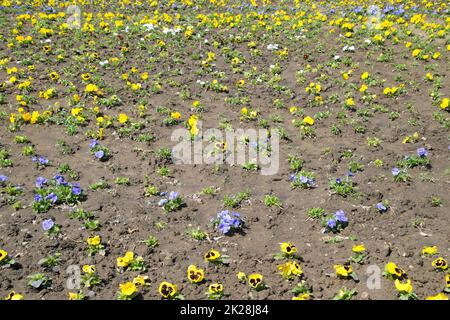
(212, 255)
(440, 263)
(140, 280)
(392, 269)
(167, 289)
(94, 241)
(135, 86)
(75, 296)
(242, 277)
(290, 268)
(304, 296)
(89, 269)
(26, 117)
(91, 88)
(416, 52)
(195, 275)
(440, 296)
(128, 289)
(430, 250)
(34, 117)
(358, 248)
(175, 115)
(343, 271)
(288, 248)
(308, 120)
(76, 111)
(445, 103)
(403, 287)
(14, 296)
(3, 255)
(255, 280)
(215, 288)
(122, 118)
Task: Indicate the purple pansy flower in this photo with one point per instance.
(224, 227)
(41, 160)
(99, 154)
(331, 223)
(3, 178)
(59, 180)
(304, 179)
(47, 224)
(395, 172)
(93, 143)
(236, 223)
(228, 220)
(422, 152)
(223, 214)
(76, 190)
(381, 207)
(40, 181)
(340, 216)
(173, 195)
(52, 197)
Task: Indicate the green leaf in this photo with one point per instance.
(279, 256)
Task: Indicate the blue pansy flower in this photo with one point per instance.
(99, 154)
(422, 152)
(76, 190)
(47, 224)
(52, 197)
(173, 195)
(331, 223)
(93, 143)
(381, 207)
(340, 216)
(40, 181)
(3, 178)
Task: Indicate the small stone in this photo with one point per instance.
(365, 295)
